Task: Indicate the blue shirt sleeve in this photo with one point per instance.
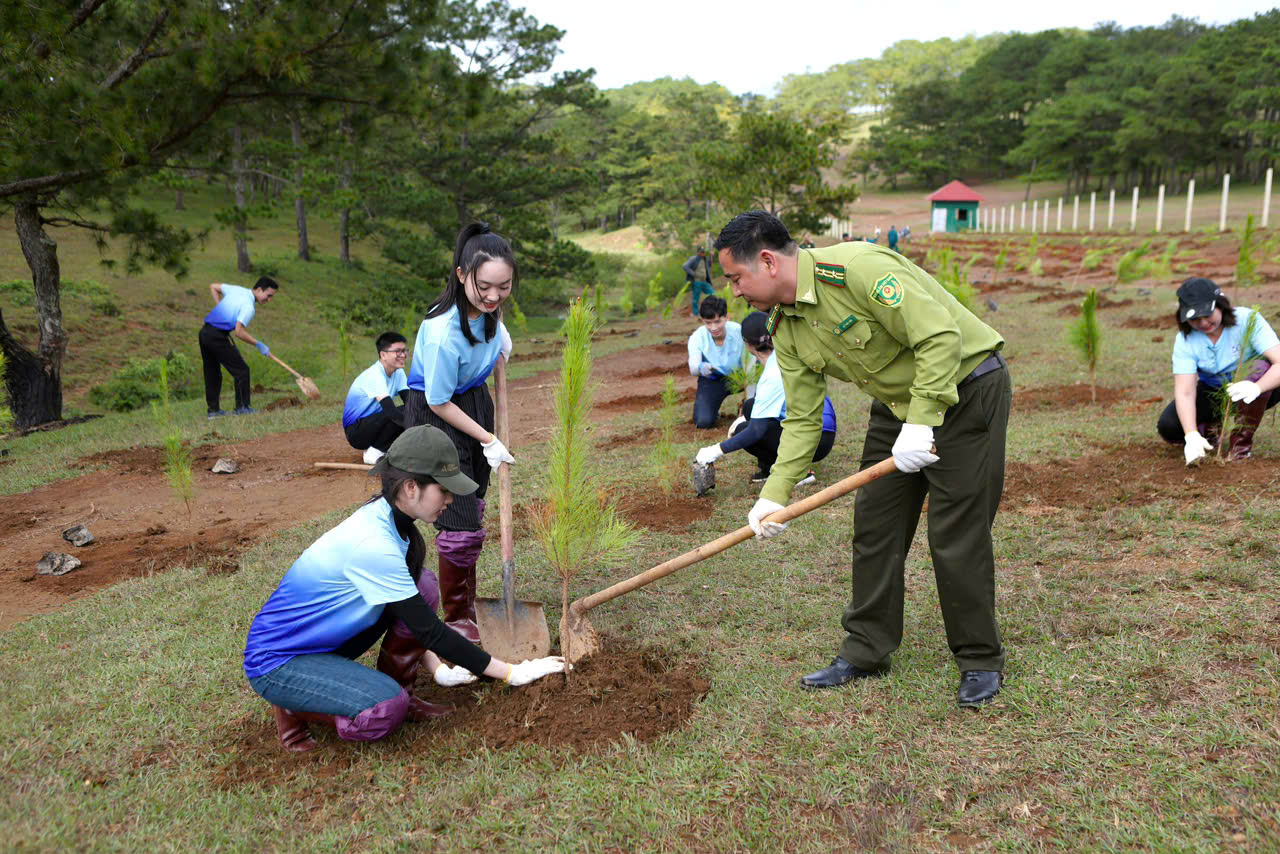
(379, 573)
(1184, 360)
(1264, 337)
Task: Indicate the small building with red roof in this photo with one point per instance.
(955, 208)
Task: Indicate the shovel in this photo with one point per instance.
(576, 633)
(510, 630)
(304, 383)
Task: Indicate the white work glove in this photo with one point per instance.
(1245, 391)
(706, 369)
(708, 455)
(911, 452)
(1195, 448)
(764, 530)
(535, 668)
(451, 677)
(506, 341)
(734, 426)
(496, 453)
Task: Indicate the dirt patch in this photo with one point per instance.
(259, 388)
(653, 371)
(536, 354)
(641, 402)
(665, 512)
(683, 433)
(1059, 396)
(1139, 322)
(1132, 474)
(642, 693)
(283, 403)
(1103, 302)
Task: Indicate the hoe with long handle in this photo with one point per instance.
(578, 639)
(304, 383)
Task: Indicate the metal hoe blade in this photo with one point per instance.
(704, 478)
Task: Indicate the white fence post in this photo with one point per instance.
(1093, 203)
(1075, 214)
(1191, 197)
(1002, 219)
(1133, 212)
(1160, 208)
(1046, 216)
(1023, 225)
(1059, 214)
(1266, 199)
(1035, 209)
(1111, 209)
(1222, 212)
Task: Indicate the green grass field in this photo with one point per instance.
(1141, 711)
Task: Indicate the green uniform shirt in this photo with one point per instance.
(866, 315)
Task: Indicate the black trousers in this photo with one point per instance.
(1208, 408)
(378, 430)
(765, 450)
(217, 352)
(464, 513)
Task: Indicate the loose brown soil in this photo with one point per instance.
(1073, 310)
(284, 403)
(1046, 398)
(1130, 475)
(641, 693)
(1140, 322)
(666, 512)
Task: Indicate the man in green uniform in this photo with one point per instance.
(865, 315)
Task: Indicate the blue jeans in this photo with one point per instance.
(327, 684)
(699, 287)
(706, 406)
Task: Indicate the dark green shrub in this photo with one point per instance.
(139, 383)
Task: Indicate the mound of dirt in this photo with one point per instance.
(283, 403)
(1129, 475)
(654, 371)
(659, 512)
(1060, 396)
(1139, 322)
(1103, 302)
(685, 432)
(641, 402)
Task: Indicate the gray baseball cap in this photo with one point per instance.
(427, 450)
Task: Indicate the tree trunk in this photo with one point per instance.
(344, 216)
(178, 203)
(34, 380)
(243, 264)
(564, 610)
(299, 205)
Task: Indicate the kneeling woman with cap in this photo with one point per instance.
(359, 582)
(1206, 353)
(759, 429)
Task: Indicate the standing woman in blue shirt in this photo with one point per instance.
(1206, 353)
(715, 350)
(457, 346)
(234, 308)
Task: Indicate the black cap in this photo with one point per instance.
(1196, 298)
(755, 328)
(427, 450)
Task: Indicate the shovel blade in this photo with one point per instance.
(578, 638)
(516, 635)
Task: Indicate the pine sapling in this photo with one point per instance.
(664, 450)
(653, 299)
(1086, 337)
(177, 459)
(520, 322)
(1225, 404)
(675, 301)
(1247, 263)
(577, 524)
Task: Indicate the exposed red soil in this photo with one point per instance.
(1132, 474)
(1103, 302)
(659, 512)
(1059, 396)
(283, 403)
(682, 433)
(1139, 322)
(642, 693)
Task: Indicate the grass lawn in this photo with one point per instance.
(1141, 711)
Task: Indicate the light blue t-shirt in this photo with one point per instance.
(771, 399)
(237, 305)
(362, 398)
(445, 363)
(1215, 363)
(336, 589)
(725, 358)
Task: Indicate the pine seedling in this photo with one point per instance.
(1247, 263)
(742, 376)
(1000, 260)
(598, 306)
(664, 450)
(577, 525)
(675, 301)
(1134, 264)
(177, 459)
(626, 304)
(520, 322)
(1092, 259)
(1225, 405)
(654, 297)
(1086, 337)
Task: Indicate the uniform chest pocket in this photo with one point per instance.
(868, 345)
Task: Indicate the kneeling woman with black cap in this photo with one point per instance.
(359, 582)
(759, 429)
(1206, 353)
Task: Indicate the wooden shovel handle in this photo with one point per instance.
(286, 367)
(786, 514)
(504, 481)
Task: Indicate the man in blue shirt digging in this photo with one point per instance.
(234, 309)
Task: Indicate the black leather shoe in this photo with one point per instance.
(837, 673)
(978, 687)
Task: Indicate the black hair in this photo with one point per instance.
(748, 233)
(266, 283)
(1220, 301)
(702, 250)
(393, 481)
(386, 339)
(476, 245)
(713, 307)
(755, 332)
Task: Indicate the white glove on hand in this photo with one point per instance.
(706, 369)
(1194, 449)
(708, 455)
(1245, 391)
(506, 341)
(535, 668)
(911, 452)
(764, 530)
(496, 453)
(451, 677)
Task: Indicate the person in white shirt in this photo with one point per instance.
(370, 417)
(715, 350)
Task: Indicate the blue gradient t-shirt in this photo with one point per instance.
(336, 589)
(724, 357)
(445, 363)
(362, 397)
(236, 306)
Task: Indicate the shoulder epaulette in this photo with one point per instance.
(829, 274)
(775, 314)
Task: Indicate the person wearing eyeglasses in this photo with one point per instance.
(370, 417)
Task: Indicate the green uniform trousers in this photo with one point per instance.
(964, 488)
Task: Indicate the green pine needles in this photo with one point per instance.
(1225, 406)
(177, 458)
(664, 455)
(1247, 263)
(653, 299)
(1085, 336)
(576, 524)
(675, 301)
(520, 322)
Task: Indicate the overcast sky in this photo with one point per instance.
(747, 46)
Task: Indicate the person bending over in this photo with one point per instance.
(233, 310)
(361, 581)
(370, 417)
(715, 350)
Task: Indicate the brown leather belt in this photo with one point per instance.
(994, 362)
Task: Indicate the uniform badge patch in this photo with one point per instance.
(829, 274)
(887, 291)
(775, 315)
(846, 323)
